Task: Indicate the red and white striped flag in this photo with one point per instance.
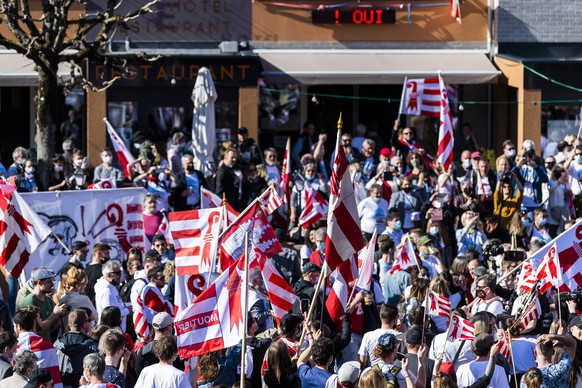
(446, 137)
(366, 264)
(344, 236)
(421, 97)
(505, 347)
(316, 206)
(209, 200)
(337, 300)
(261, 235)
(188, 288)
(280, 293)
(461, 329)
(455, 10)
(44, 350)
(103, 184)
(271, 200)
(215, 320)
(149, 303)
(549, 271)
(164, 229)
(124, 157)
(527, 278)
(437, 305)
(532, 312)
(406, 258)
(21, 230)
(286, 173)
(195, 234)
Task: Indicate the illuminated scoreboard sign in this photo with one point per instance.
(361, 16)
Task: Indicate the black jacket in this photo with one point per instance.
(71, 349)
(227, 183)
(178, 187)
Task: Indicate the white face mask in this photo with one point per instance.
(106, 159)
(58, 168)
(78, 162)
(29, 170)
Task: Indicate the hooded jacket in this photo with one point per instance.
(71, 349)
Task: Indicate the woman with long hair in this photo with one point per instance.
(281, 372)
(372, 378)
(72, 293)
(532, 378)
(416, 296)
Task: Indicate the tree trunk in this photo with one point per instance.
(47, 99)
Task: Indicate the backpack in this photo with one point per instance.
(125, 289)
(391, 380)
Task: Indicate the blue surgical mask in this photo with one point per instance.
(357, 176)
(543, 221)
(579, 158)
(467, 163)
(397, 225)
(321, 246)
(511, 153)
(377, 200)
(526, 223)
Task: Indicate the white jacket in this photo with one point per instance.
(107, 295)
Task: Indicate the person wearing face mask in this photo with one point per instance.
(509, 152)
(311, 182)
(186, 186)
(360, 191)
(19, 156)
(539, 229)
(574, 167)
(429, 256)
(8, 344)
(318, 256)
(464, 168)
(106, 170)
(394, 227)
(54, 177)
(488, 301)
(106, 293)
(507, 200)
(248, 149)
(532, 175)
(27, 181)
(407, 204)
(253, 185)
(80, 164)
(100, 255)
(270, 170)
(372, 212)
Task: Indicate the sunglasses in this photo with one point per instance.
(118, 273)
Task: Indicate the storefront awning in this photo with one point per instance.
(17, 70)
(350, 67)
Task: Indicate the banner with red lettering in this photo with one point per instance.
(111, 216)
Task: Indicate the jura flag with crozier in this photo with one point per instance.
(527, 278)
(195, 233)
(215, 320)
(406, 257)
(104, 184)
(261, 235)
(437, 305)
(124, 157)
(549, 271)
(316, 207)
(421, 97)
(569, 244)
(461, 329)
(209, 200)
(21, 230)
(446, 139)
(366, 264)
(532, 312)
(344, 236)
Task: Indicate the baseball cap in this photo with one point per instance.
(476, 155)
(37, 377)
(385, 152)
(40, 273)
(348, 372)
(162, 320)
(290, 321)
(414, 336)
(387, 341)
(448, 368)
(310, 267)
(576, 321)
(423, 240)
(78, 245)
(242, 130)
(158, 237)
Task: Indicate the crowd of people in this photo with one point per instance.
(471, 226)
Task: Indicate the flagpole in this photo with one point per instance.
(559, 306)
(402, 97)
(61, 242)
(312, 307)
(245, 301)
(424, 316)
(446, 339)
(512, 360)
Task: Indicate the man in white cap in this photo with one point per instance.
(163, 325)
(347, 376)
(43, 281)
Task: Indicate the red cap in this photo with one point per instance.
(385, 152)
(448, 368)
(476, 155)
